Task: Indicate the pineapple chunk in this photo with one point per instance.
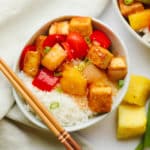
(54, 57)
(130, 9)
(83, 25)
(117, 68)
(73, 82)
(140, 20)
(59, 28)
(31, 63)
(138, 90)
(131, 121)
(100, 98)
(99, 56)
(39, 44)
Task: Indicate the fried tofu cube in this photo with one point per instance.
(100, 56)
(73, 82)
(54, 57)
(131, 121)
(83, 25)
(140, 20)
(59, 28)
(138, 90)
(39, 44)
(130, 9)
(117, 68)
(100, 98)
(31, 63)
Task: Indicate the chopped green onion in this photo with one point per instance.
(57, 74)
(86, 60)
(147, 133)
(58, 89)
(140, 146)
(145, 143)
(121, 83)
(54, 105)
(47, 49)
(128, 2)
(81, 66)
(87, 39)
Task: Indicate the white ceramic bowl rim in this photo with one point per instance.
(94, 120)
(138, 37)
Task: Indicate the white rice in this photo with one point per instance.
(68, 113)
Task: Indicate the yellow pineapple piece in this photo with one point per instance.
(54, 57)
(82, 25)
(138, 90)
(140, 20)
(99, 56)
(73, 82)
(131, 121)
(31, 63)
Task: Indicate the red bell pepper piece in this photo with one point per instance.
(45, 80)
(78, 44)
(69, 51)
(25, 50)
(51, 40)
(101, 38)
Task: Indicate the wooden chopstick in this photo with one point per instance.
(40, 109)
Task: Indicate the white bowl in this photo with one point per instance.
(118, 47)
(138, 37)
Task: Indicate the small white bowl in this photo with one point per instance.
(138, 37)
(118, 48)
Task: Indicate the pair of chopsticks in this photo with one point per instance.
(62, 135)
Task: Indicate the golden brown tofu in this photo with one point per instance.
(31, 63)
(73, 82)
(82, 25)
(39, 44)
(130, 9)
(117, 68)
(54, 57)
(99, 56)
(100, 98)
(59, 28)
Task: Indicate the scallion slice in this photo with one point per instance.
(121, 83)
(54, 105)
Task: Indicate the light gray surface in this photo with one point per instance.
(103, 135)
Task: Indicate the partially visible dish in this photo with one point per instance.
(77, 68)
(136, 15)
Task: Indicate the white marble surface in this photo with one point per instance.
(103, 134)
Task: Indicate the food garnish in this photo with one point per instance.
(47, 49)
(54, 105)
(121, 83)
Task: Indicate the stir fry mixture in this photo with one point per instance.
(137, 13)
(76, 59)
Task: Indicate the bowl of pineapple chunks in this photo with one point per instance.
(77, 67)
(135, 15)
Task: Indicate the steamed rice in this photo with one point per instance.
(69, 112)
